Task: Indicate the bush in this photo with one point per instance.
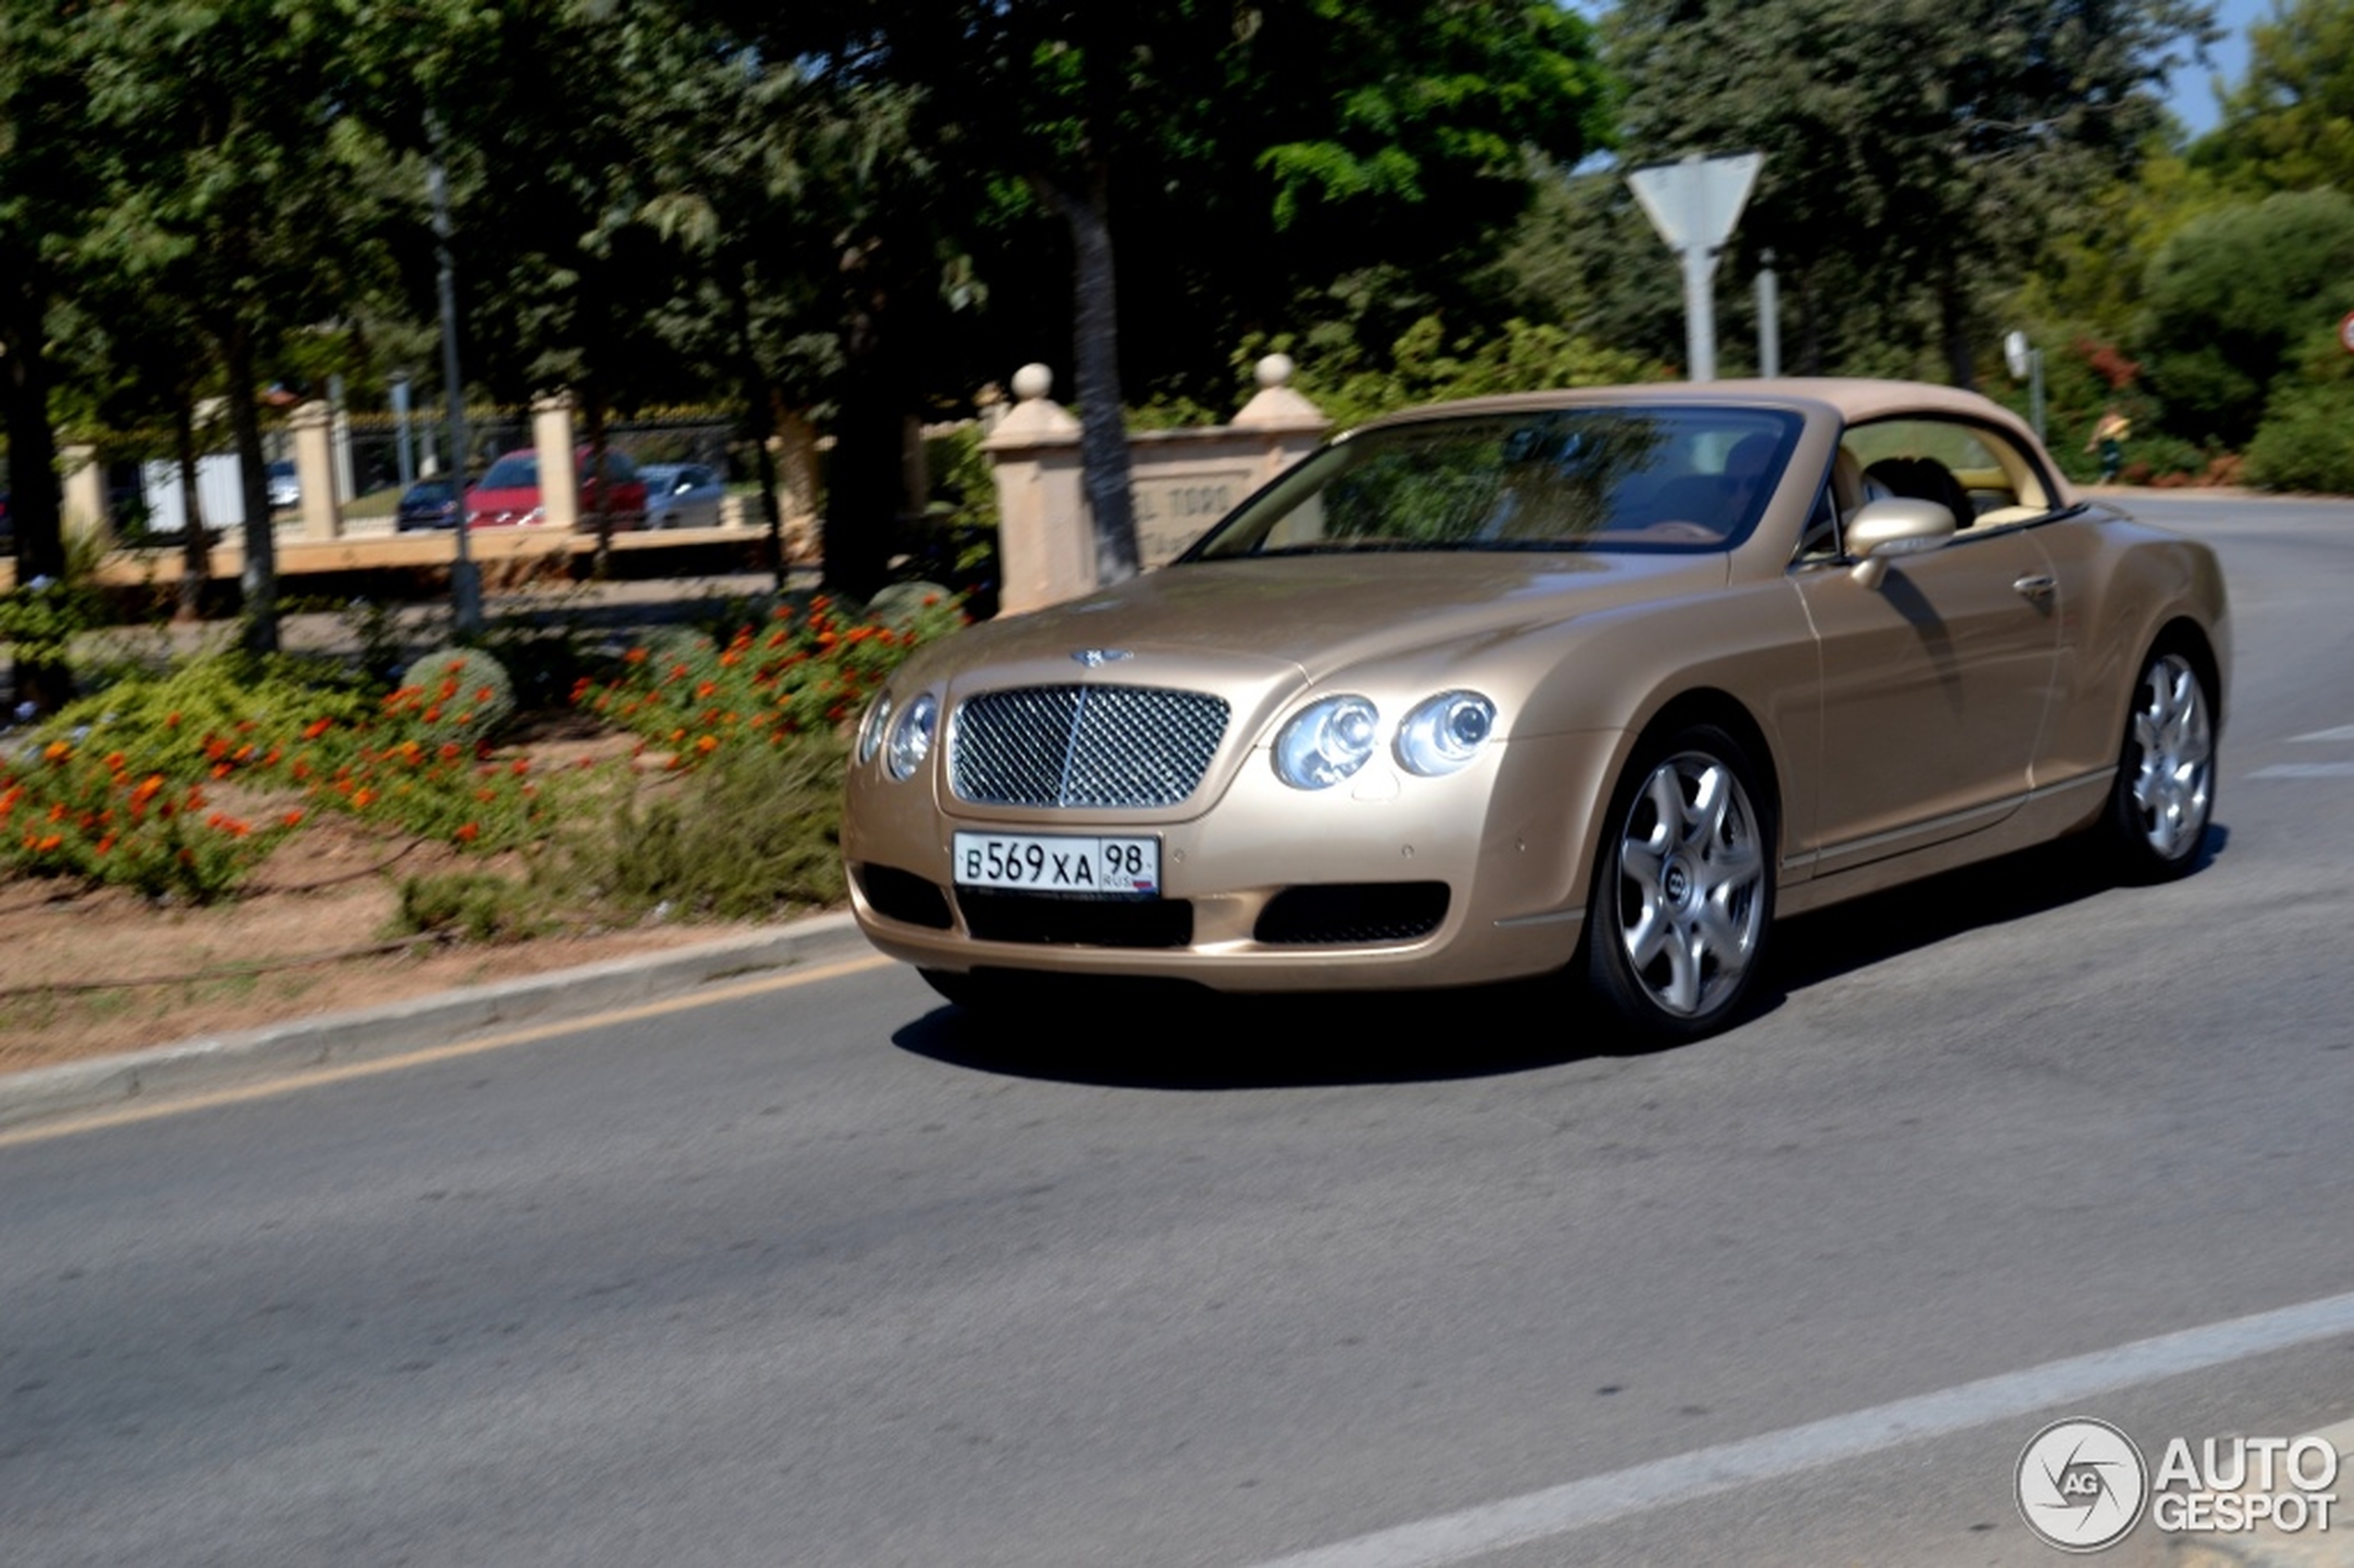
(802, 672)
(457, 694)
(475, 904)
(2305, 441)
(753, 834)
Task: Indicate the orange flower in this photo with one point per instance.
(115, 762)
(146, 790)
(635, 656)
(105, 845)
(707, 744)
(52, 841)
(221, 770)
(362, 797)
(468, 833)
(292, 819)
(317, 727)
(57, 752)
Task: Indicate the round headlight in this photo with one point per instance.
(1445, 733)
(870, 734)
(911, 736)
(1325, 742)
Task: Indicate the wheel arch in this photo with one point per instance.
(1710, 704)
(2185, 636)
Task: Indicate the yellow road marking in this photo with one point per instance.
(296, 1079)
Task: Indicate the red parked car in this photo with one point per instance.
(509, 492)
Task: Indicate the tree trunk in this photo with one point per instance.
(258, 580)
(35, 514)
(195, 546)
(1953, 320)
(1103, 425)
(760, 420)
(864, 491)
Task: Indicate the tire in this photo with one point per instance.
(2164, 794)
(1683, 887)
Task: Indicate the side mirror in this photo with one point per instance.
(1881, 530)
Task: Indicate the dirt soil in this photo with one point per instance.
(86, 973)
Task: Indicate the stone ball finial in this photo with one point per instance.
(1032, 382)
(1273, 370)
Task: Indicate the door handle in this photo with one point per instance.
(2038, 588)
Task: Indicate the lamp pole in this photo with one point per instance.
(466, 583)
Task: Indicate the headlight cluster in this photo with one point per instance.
(904, 736)
(1331, 738)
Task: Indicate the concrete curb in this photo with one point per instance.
(339, 1038)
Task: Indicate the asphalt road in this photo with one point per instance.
(826, 1275)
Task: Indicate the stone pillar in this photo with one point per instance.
(1046, 544)
(313, 424)
(85, 493)
(559, 480)
(1291, 424)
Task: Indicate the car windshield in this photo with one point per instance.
(516, 470)
(1671, 477)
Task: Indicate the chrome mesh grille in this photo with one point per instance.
(1093, 746)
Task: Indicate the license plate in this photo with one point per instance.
(1060, 863)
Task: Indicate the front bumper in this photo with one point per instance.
(1387, 881)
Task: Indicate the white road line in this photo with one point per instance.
(2306, 770)
(1556, 1510)
(2343, 732)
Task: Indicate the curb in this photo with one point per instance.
(339, 1038)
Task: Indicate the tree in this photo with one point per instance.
(1917, 153)
(1234, 155)
(43, 137)
(2238, 299)
(2288, 125)
(219, 193)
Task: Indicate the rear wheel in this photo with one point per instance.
(2165, 790)
(1684, 893)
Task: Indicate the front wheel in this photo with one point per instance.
(2165, 790)
(1684, 893)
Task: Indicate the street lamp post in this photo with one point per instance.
(466, 583)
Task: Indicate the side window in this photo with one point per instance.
(1979, 473)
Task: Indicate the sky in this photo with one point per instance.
(2192, 95)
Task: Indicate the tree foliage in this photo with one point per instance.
(2288, 124)
(2240, 297)
(1917, 153)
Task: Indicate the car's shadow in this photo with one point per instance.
(1134, 1035)
(1813, 948)
(1144, 1035)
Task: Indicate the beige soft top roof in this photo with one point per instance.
(1849, 399)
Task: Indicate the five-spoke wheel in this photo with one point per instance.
(1684, 893)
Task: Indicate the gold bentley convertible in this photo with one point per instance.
(1601, 681)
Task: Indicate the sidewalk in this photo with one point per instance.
(333, 1040)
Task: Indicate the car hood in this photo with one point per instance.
(1320, 615)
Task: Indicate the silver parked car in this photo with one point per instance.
(682, 495)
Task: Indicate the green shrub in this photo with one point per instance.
(472, 904)
(755, 833)
(457, 694)
(802, 672)
(2305, 441)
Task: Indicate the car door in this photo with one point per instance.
(1936, 681)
